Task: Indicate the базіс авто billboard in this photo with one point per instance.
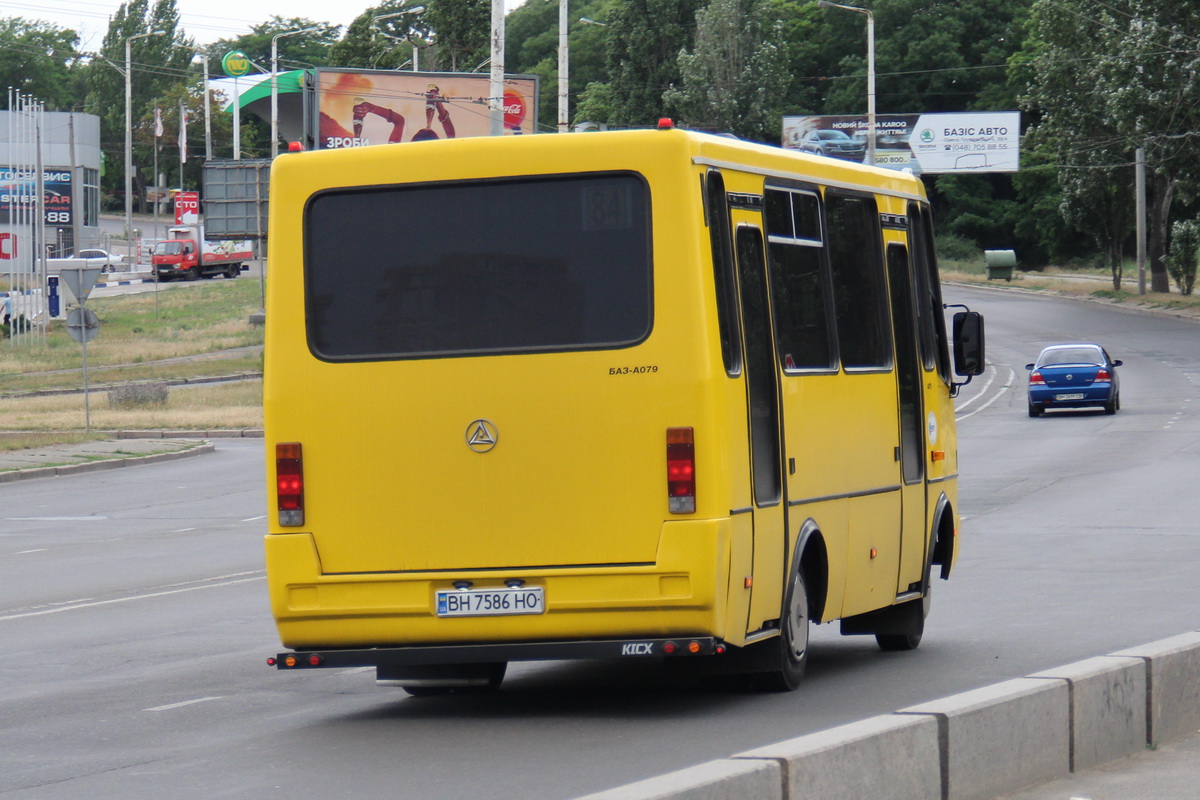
(969, 141)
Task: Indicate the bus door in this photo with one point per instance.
(765, 434)
(911, 453)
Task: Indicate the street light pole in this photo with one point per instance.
(564, 83)
(207, 118)
(129, 134)
(870, 71)
(207, 115)
(275, 85)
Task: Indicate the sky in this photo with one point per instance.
(203, 20)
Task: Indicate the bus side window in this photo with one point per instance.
(932, 319)
(716, 209)
(859, 282)
(799, 280)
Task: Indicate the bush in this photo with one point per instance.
(1181, 260)
(18, 325)
(137, 395)
(959, 253)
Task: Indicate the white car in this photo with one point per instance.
(108, 262)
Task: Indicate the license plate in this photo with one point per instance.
(1077, 396)
(491, 602)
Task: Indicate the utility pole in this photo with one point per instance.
(1140, 191)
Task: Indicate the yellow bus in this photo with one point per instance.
(638, 394)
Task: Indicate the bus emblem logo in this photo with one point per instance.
(481, 436)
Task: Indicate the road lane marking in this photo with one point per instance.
(25, 552)
(999, 393)
(254, 519)
(55, 518)
(170, 706)
(207, 583)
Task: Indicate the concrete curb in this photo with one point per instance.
(216, 433)
(976, 745)
(102, 464)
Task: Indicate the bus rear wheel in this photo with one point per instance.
(792, 642)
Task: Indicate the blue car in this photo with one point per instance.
(1073, 376)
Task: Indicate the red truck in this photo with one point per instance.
(187, 254)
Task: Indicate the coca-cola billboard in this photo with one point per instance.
(356, 108)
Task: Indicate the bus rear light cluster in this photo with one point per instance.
(681, 471)
(691, 648)
(291, 660)
(289, 484)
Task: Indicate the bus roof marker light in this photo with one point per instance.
(665, 123)
(681, 471)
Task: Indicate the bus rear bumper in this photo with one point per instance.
(677, 596)
(502, 652)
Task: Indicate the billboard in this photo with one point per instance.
(969, 141)
(18, 190)
(356, 108)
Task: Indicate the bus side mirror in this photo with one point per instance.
(968, 343)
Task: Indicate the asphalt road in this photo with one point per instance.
(134, 623)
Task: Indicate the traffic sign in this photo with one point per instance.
(82, 324)
(79, 280)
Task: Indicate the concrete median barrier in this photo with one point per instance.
(1173, 683)
(889, 757)
(976, 745)
(726, 779)
(1108, 708)
(1002, 737)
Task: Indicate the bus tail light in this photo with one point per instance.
(681, 471)
(1036, 379)
(289, 482)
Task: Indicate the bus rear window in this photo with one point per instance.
(478, 268)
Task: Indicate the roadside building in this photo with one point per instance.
(66, 145)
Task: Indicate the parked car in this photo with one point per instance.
(1078, 375)
(833, 143)
(93, 257)
(108, 262)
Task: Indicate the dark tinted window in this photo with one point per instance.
(859, 283)
(931, 314)
(463, 268)
(799, 280)
(716, 207)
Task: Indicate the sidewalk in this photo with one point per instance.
(1171, 772)
(67, 459)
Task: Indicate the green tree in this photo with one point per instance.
(386, 44)
(644, 40)
(311, 49)
(156, 65)
(736, 76)
(1181, 260)
(1106, 79)
(462, 30)
(39, 59)
(531, 47)
(928, 56)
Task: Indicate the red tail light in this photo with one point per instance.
(1102, 375)
(681, 471)
(1036, 379)
(289, 484)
